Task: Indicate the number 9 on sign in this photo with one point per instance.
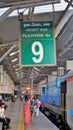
(38, 54)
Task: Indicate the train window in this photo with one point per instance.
(43, 90)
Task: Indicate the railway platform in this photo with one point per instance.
(42, 123)
(15, 112)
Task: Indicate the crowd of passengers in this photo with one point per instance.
(3, 118)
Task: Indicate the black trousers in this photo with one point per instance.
(6, 122)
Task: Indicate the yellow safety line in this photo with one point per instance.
(21, 120)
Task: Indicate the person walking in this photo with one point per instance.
(38, 103)
(27, 115)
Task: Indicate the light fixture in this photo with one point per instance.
(35, 72)
(15, 65)
(17, 69)
(14, 60)
(13, 53)
(36, 69)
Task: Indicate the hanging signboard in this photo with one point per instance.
(37, 46)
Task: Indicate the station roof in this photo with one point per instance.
(58, 11)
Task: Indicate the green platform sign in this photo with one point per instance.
(37, 44)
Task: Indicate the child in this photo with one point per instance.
(38, 103)
(35, 109)
(31, 106)
(31, 109)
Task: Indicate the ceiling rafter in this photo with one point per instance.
(28, 3)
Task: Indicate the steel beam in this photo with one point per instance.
(3, 17)
(28, 3)
(11, 48)
(63, 20)
(9, 43)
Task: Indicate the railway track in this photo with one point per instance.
(60, 125)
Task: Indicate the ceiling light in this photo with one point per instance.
(17, 69)
(15, 65)
(36, 69)
(13, 53)
(35, 72)
(16, 72)
(14, 60)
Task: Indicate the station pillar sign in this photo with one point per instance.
(37, 44)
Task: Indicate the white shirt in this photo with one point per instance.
(2, 112)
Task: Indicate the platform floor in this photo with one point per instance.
(42, 123)
(15, 112)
